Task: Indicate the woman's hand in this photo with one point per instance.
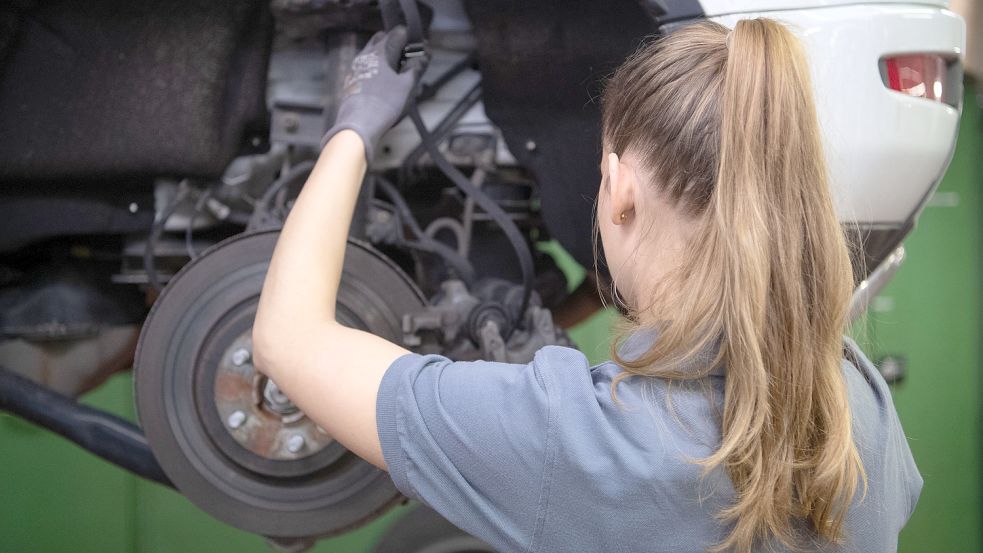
(376, 91)
(332, 372)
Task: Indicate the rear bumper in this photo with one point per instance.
(886, 151)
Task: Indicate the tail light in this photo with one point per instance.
(929, 76)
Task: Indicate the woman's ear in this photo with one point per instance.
(621, 189)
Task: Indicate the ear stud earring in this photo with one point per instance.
(623, 216)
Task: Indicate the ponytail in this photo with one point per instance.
(769, 281)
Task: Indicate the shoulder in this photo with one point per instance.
(663, 415)
(561, 359)
(562, 370)
(865, 385)
(569, 376)
(875, 420)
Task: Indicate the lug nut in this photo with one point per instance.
(240, 356)
(236, 419)
(295, 444)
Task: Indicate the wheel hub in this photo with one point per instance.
(226, 435)
(257, 415)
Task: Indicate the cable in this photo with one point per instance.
(429, 90)
(449, 224)
(507, 225)
(150, 250)
(390, 13)
(470, 98)
(199, 206)
(414, 28)
(261, 210)
(414, 23)
(425, 242)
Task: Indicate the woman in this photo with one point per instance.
(734, 417)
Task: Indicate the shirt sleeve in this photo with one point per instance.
(473, 440)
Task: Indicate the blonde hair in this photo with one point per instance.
(724, 124)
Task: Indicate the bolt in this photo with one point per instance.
(236, 419)
(274, 395)
(240, 356)
(291, 123)
(295, 443)
(275, 401)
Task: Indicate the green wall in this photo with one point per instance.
(56, 497)
(930, 314)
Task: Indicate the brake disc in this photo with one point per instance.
(224, 434)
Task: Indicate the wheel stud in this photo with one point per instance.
(295, 444)
(236, 419)
(240, 357)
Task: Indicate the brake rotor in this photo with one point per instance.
(225, 434)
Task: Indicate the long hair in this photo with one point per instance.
(725, 125)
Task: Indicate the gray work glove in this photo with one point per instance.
(375, 91)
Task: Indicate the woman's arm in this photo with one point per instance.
(332, 372)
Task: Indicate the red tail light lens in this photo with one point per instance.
(920, 75)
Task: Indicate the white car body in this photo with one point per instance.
(886, 150)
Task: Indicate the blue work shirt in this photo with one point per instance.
(540, 458)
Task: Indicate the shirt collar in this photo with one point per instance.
(639, 342)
